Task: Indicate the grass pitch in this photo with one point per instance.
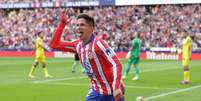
(159, 81)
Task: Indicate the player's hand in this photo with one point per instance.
(64, 17)
(117, 94)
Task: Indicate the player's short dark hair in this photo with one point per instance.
(88, 18)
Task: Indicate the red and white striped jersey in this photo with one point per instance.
(99, 60)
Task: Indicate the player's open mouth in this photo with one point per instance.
(79, 34)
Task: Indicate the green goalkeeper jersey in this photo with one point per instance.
(136, 47)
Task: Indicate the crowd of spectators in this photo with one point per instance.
(32, 1)
(159, 25)
(16, 1)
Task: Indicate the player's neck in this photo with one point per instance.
(90, 39)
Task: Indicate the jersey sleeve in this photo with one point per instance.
(111, 56)
(56, 42)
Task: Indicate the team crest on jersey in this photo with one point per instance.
(109, 52)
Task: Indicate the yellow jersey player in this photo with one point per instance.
(39, 56)
(186, 57)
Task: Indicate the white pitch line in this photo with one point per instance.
(156, 70)
(69, 84)
(50, 80)
(30, 62)
(161, 69)
(78, 84)
(149, 87)
(41, 81)
(172, 92)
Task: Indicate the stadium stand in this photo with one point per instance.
(160, 25)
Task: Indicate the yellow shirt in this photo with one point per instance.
(186, 49)
(39, 47)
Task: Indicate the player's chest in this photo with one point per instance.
(185, 42)
(87, 57)
(87, 52)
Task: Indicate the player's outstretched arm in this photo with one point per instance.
(56, 42)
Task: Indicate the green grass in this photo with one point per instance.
(159, 81)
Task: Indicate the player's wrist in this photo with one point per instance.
(63, 21)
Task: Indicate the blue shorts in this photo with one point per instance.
(95, 96)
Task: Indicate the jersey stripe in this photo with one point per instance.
(109, 56)
(97, 85)
(100, 70)
(78, 48)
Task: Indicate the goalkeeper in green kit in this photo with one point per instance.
(134, 57)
